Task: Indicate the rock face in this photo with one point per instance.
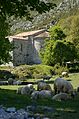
(65, 5)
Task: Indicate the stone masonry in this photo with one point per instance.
(27, 46)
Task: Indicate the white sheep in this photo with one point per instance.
(65, 74)
(30, 85)
(41, 94)
(45, 94)
(35, 95)
(17, 82)
(43, 86)
(61, 96)
(61, 85)
(28, 89)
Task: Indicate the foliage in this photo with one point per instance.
(5, 46)
(35, 71)
(57, 50)
(70, 26)
(59, 69)
(23, 7)
(63, 52)
(56, 33)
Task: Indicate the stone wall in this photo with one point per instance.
(27, 51)
(38, 44)
(20, 51)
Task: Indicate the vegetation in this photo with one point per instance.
(26, 71)
(58, 50)
(63, 109)
(56, 33)
(71, 29)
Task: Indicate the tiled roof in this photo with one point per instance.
(25, 34)
(35, 34)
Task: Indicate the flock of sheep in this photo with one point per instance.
(63, 90)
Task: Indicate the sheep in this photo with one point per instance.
(65, 74)
(30, 85)
(61, 85)
(45, 94)
(61, 96)
(41, 94)
(35, 95)
(28, 89)
(17, 82)
(43, 86)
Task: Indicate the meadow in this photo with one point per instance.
(63, 109)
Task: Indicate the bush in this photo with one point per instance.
(59, 69)
(33, 71)
(4, 74)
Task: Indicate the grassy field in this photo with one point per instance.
(63, 109)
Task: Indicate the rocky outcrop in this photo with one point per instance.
(46, 19)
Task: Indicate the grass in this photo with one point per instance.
(63, 110)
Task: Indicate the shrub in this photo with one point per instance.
(59, 69)
(33, 71)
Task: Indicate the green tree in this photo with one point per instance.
(58, 52)
(18, 8)
(56, 33)
(70, 26)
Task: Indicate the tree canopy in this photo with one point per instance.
(56, 33)
(57, 50)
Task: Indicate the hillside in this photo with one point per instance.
(45, 20)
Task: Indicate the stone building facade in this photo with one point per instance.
(27, 46)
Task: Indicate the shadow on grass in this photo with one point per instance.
(9, 98)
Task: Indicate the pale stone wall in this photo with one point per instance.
(27, 51)
(20, 51)
(38, 44)
(23, 52)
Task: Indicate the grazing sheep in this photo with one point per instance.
(35, 95)
(30, 85)
(28, 89)
(61, 96)
(61, 85)
(41, 94)
(43, 86)
(17, 82)
(45, 94)
(65, 74)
